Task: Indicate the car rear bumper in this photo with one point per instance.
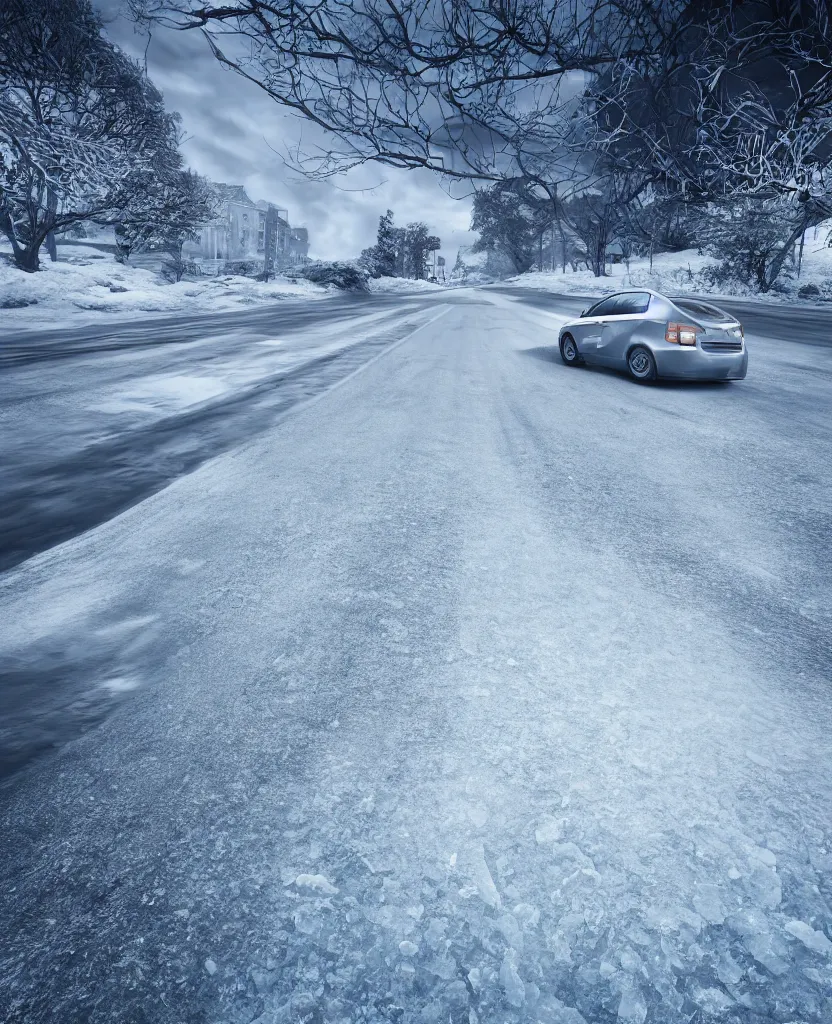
(696, 364)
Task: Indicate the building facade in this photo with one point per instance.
(238, 233)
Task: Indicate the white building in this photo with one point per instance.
(238, 233)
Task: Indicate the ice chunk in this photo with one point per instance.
(559, 947)
(408, 948)
(478, 815)
(816, 941)
(708, 903)
(307, 920)
(510, 930)
(728, 970)
(526, 915)
(483, 880)
(766, 948)
(550, 830)
(318, 882)
(760, 946)
(512, 983)
(630, 961)
(264, 981)
(210, 966)
(553, 1011)
(443, 967)
(435, 932)
(763, 855)
(632, 1008)
(713, 1001)
(764, 884)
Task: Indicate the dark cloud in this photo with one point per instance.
(235, 133)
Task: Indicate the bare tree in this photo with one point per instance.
(455, 87)
(77, 118)
(720, 98)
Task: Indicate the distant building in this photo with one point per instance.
(238, 233)
(299, 242)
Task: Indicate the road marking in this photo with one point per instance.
(301, 406)
(542, 316)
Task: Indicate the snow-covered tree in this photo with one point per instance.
(511, 218)
(166, 210)
(380, 259)
(77, 120)
(754, 239)
(417, 246)
(400, 252)
(190, 201)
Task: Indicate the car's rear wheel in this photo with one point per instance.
(641, 364)
(569, 351)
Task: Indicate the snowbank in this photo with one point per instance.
(680, 272)
(88, 287)
(394, 285)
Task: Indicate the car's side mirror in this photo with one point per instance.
(584, 312)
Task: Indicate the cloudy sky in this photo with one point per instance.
(236, 134)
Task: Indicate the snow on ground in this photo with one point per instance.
(238, 360)
(677, 272)
(461, 720)
(394, 285)
(86, 287)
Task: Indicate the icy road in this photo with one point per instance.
(474, 689)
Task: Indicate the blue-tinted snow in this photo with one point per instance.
(574, 634)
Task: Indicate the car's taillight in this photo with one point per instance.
(681, 334)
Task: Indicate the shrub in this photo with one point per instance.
(808, 291)
(243, 268)
(347, 276)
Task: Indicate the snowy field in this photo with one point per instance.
(401, 285)
(86, 287)
(89, 287)
(681, 272)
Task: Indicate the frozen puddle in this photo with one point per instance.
(165, 394)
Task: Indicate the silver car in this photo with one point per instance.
(651, 335)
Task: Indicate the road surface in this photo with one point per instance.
(95, 419)
(475, 689)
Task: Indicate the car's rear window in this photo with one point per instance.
(702, 309)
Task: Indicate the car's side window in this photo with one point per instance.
(606, 307)
(632, 302)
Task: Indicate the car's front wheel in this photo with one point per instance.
(641, 364)
(569, 351)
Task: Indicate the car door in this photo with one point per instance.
(587, 332)
(619, 327)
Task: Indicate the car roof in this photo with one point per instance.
(629, 291)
